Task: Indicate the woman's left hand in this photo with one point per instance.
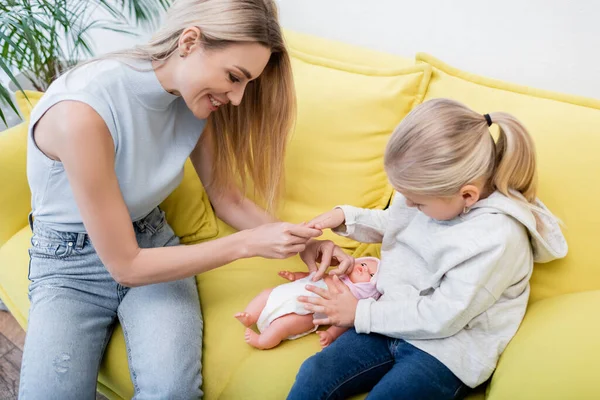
(338, 304)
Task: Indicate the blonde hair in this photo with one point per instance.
(249, 140)
(443, 145)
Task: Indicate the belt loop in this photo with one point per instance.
(140, 225)
(80, 241)
(30, 219)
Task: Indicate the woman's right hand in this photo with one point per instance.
(279, 240)
(329, 220)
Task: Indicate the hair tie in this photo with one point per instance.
(488, 119)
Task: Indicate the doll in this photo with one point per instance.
(278, 314)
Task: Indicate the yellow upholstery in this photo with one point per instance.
(189, 211)
(345, 53)
(345, 116)
(14, 269)
(15, 205)
(349, 101)
(15, 197)
(555, 354)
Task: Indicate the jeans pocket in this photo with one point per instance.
(46, 248)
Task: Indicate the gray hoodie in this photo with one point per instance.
(455, 289)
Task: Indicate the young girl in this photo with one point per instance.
(458, 247)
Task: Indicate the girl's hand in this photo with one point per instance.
(338, 304)
(326, 253)
(329, 220)
(278, 240)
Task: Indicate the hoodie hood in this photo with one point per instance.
(547, 240)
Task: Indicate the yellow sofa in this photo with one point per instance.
(350, 99)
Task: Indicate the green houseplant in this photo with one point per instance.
(42, 38)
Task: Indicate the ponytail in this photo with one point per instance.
(515, 163)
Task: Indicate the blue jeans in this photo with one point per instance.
(388, 368)
(75, 304)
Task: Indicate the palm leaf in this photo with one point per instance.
(144, 12)
(41, 37)
(5, 97)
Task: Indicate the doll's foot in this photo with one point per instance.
(244, 318)
(325, 338)
(287, 275)
(252, 338)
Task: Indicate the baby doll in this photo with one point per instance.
(278, 314)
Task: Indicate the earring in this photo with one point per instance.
(466, 210)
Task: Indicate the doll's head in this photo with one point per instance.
(361, 281)
(364, 269)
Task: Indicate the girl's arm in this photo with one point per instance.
(363, 225)
(469, 288)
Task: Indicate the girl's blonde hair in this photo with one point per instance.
(443, 145)
(249, 140)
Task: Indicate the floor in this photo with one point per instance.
(12, 338)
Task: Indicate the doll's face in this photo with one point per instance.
(363, 271)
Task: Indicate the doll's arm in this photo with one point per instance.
(293, 276)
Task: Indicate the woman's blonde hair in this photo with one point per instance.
(443, 145)
(248, 141)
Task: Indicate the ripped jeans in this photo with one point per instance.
(75, 304)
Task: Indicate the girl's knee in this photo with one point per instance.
(309, 370)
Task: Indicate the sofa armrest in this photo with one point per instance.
(15, 197)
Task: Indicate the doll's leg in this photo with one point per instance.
(281, 328)
(254, 308)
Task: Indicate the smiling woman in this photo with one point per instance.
(106, 145)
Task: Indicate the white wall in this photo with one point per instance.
(549, 44)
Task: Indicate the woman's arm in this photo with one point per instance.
(73, 133)
(231, 206)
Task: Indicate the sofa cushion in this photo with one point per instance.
(14, 270)
(346, 113)
(344, 52)
(565, 131)
(15, 196)
(555, 354)
(188, 209)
